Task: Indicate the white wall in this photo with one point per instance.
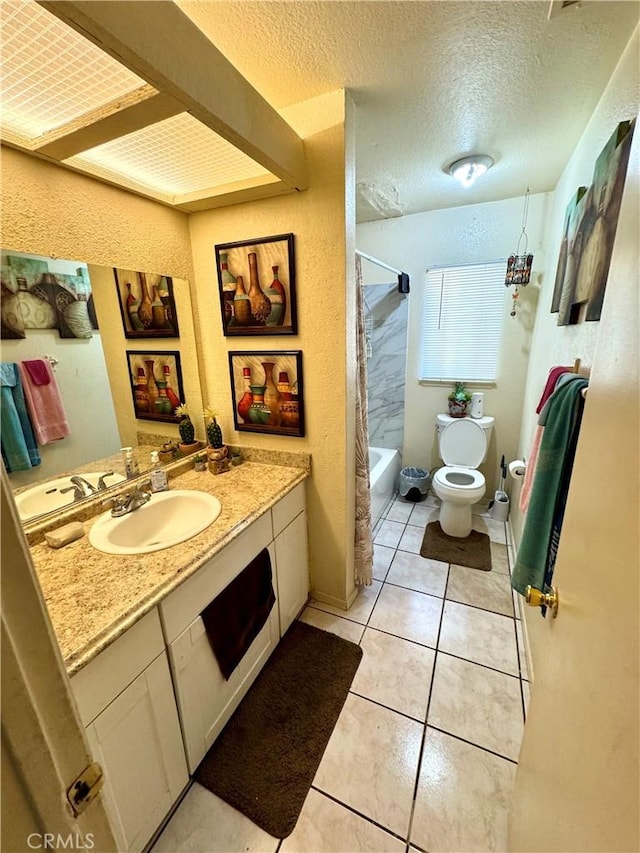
(553, 344)
(461, 235)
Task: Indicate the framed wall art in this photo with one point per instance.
(267, 392)
(146, 304)
(156, 384)
(256, 281)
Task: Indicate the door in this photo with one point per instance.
(43, 743)
(577, 780)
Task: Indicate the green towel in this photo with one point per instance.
(555, 447)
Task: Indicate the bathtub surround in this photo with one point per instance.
(363, 557)
(386, 313)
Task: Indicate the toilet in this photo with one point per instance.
(462, 445)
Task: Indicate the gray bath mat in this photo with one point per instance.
(264, 761)
(474, 551)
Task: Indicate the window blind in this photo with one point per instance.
(463, 314)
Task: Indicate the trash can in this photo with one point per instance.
(414, 484)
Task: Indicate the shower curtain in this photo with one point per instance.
(363, 541)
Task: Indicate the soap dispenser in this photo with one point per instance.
(158, 477)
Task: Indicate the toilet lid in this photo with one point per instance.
(463, 443)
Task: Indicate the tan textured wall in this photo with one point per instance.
(316, 217)
(49, 210)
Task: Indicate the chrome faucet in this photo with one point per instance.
(85, 486)
(101, 482)
(123, 504)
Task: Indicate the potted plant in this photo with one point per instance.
(200, 462)
(458, 401)
(217, 451)
(188, 443)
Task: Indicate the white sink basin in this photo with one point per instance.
(167, 519)
(47, 497)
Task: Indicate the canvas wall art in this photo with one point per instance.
(256, 282)
(267, 392)
(156, 384)
(146, 304)
(35, 294)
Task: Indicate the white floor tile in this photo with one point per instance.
(522, 652)
(399, 511)
(415, 572)
(389, 533)
(203, 823)
(325, 826)
(334, 624)
(411, 539)
(479, 636)
(488, 590)
(499, 558)
(477, 704)
(361, 608)
(408, 614)
(526, 695)
(422, 514)
(371, 763)
(395, 673)
(382, 557)
(462, 802)
(495, 529)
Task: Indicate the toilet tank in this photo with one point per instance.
(486, 422)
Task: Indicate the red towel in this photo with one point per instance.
(554, 374)
(45, 407)
(38, 372)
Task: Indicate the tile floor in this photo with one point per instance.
(424, 753)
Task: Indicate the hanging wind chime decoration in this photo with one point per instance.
(519, 264)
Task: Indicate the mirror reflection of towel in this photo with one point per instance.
(235, 618)
(45, 407)
(19, 448)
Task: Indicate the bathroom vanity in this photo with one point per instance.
(146, 682)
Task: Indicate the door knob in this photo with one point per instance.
(536, 598)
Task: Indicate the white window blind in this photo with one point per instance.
(463, 315)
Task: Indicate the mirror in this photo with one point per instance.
(93, 372)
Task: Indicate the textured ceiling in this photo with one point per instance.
(434, 81)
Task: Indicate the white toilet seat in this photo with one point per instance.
(457, 479)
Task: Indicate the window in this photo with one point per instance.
(462, 322)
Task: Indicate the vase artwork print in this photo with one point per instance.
(156, 384)
(267, 392)
(146, 304)
(256, 280)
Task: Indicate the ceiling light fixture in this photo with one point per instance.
(468, 169)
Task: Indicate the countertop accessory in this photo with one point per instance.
(64, 535)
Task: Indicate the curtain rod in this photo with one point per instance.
(379, 263)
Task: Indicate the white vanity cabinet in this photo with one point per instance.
(205, 700)
(126, 701)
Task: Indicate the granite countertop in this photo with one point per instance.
(93, 598)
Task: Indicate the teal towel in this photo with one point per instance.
(19, 448)
(555, 448)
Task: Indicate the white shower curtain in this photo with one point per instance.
(363, 541)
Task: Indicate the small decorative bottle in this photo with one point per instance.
(260, 304)
(162, 405)
(141, 394)
(278, 297)
(145, 311)
(159, 318)
(259, 412)
(152, 385)
(284, 386)
(228, 281)
(241, 304)
(132, 310)
(171, 394)
(247, 398)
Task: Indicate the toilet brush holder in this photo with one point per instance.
(499, 507)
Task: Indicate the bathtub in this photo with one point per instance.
(384, 470)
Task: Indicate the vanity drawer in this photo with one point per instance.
(180, 608)
(288, 508)
(101, 680)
